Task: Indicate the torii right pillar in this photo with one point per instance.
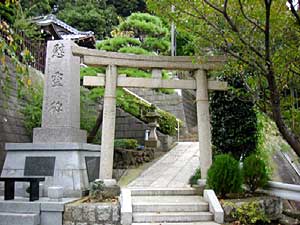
(203, 119)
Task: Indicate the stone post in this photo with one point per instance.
(108, 126)
(61, 102)
(156, 73)
(204, 133)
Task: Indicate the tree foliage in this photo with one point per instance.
(140, 33)
(91, 15)
(37, 7)
(261, 37)
(229, 134)
(126, 7)
(12, 48)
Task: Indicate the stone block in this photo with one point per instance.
(115, 213)
(126, 207)
(56, 135)
(55, 193)
(68, 213)
(77, 213)
(214, 205)
(103, 213)
(19, 207)
(89, 213)
(68, 223)
(14, 219)
(51, 218)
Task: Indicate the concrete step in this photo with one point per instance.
(170, 207)
(181, 203)
(18, 219)
(172, 217)
(162, 191)
(193, 223)
(19, 207)
(168, 199)
(188, 139)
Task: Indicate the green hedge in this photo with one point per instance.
(225, 176)
(126, 143)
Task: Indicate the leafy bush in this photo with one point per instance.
(96, 190)
(126, 143)
(225, 176)
(255, 172)
(32, 110)
(197, 175)
(249, 213)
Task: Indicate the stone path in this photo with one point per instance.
(173, 170)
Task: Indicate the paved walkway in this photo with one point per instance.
(173, 170)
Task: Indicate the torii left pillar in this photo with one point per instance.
(108, 126)
(203, 119)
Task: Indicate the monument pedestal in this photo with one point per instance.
(69, 165)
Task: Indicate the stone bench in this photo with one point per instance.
(9, 186)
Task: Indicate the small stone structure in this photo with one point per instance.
(42, 212)
(92, 214)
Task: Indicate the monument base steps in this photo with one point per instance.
(69, 165)
(42, 212)
(18, 218)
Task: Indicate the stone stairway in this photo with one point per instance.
(189, 137)
(180, 206)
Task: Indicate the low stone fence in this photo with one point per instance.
(92, 214)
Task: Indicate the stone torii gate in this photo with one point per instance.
(111, 81)
(59, 151)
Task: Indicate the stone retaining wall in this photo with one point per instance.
(130, 127)
(92, 214)
(12, 127)
(183, 107)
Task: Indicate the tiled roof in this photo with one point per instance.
(51, 19)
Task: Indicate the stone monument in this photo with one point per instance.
(59, 151)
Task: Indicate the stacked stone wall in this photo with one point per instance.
(12, 127)
(190, 111)
(92, 214)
